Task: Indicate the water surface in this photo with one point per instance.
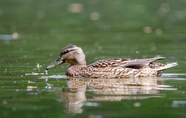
(32, 33)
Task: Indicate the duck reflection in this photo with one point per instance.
(73, 97)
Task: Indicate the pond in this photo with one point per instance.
(32, 33)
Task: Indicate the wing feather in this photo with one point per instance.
(140, 63)
(115, 62)
(125, 63)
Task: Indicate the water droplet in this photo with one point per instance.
(4, 102)
(38, 66)
(75, 7)
(147, 29)
(137, 104)
(46, 72)
(15, 35)
(165, 7)
(159, 31)
(94, 16)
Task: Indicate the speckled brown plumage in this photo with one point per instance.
(108, 68)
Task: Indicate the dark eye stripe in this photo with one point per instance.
(66, 51)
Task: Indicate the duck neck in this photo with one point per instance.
(81, 61)
(80, 57)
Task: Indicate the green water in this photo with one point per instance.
(33, 32)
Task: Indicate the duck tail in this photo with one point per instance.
(169, 65)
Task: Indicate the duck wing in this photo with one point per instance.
(140, 63)
(125, 63)
(115, 62)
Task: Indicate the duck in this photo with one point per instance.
(108, 68)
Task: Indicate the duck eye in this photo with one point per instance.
(63, 61)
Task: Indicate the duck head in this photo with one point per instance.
(71, 54)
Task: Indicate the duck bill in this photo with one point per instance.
(54, 64)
